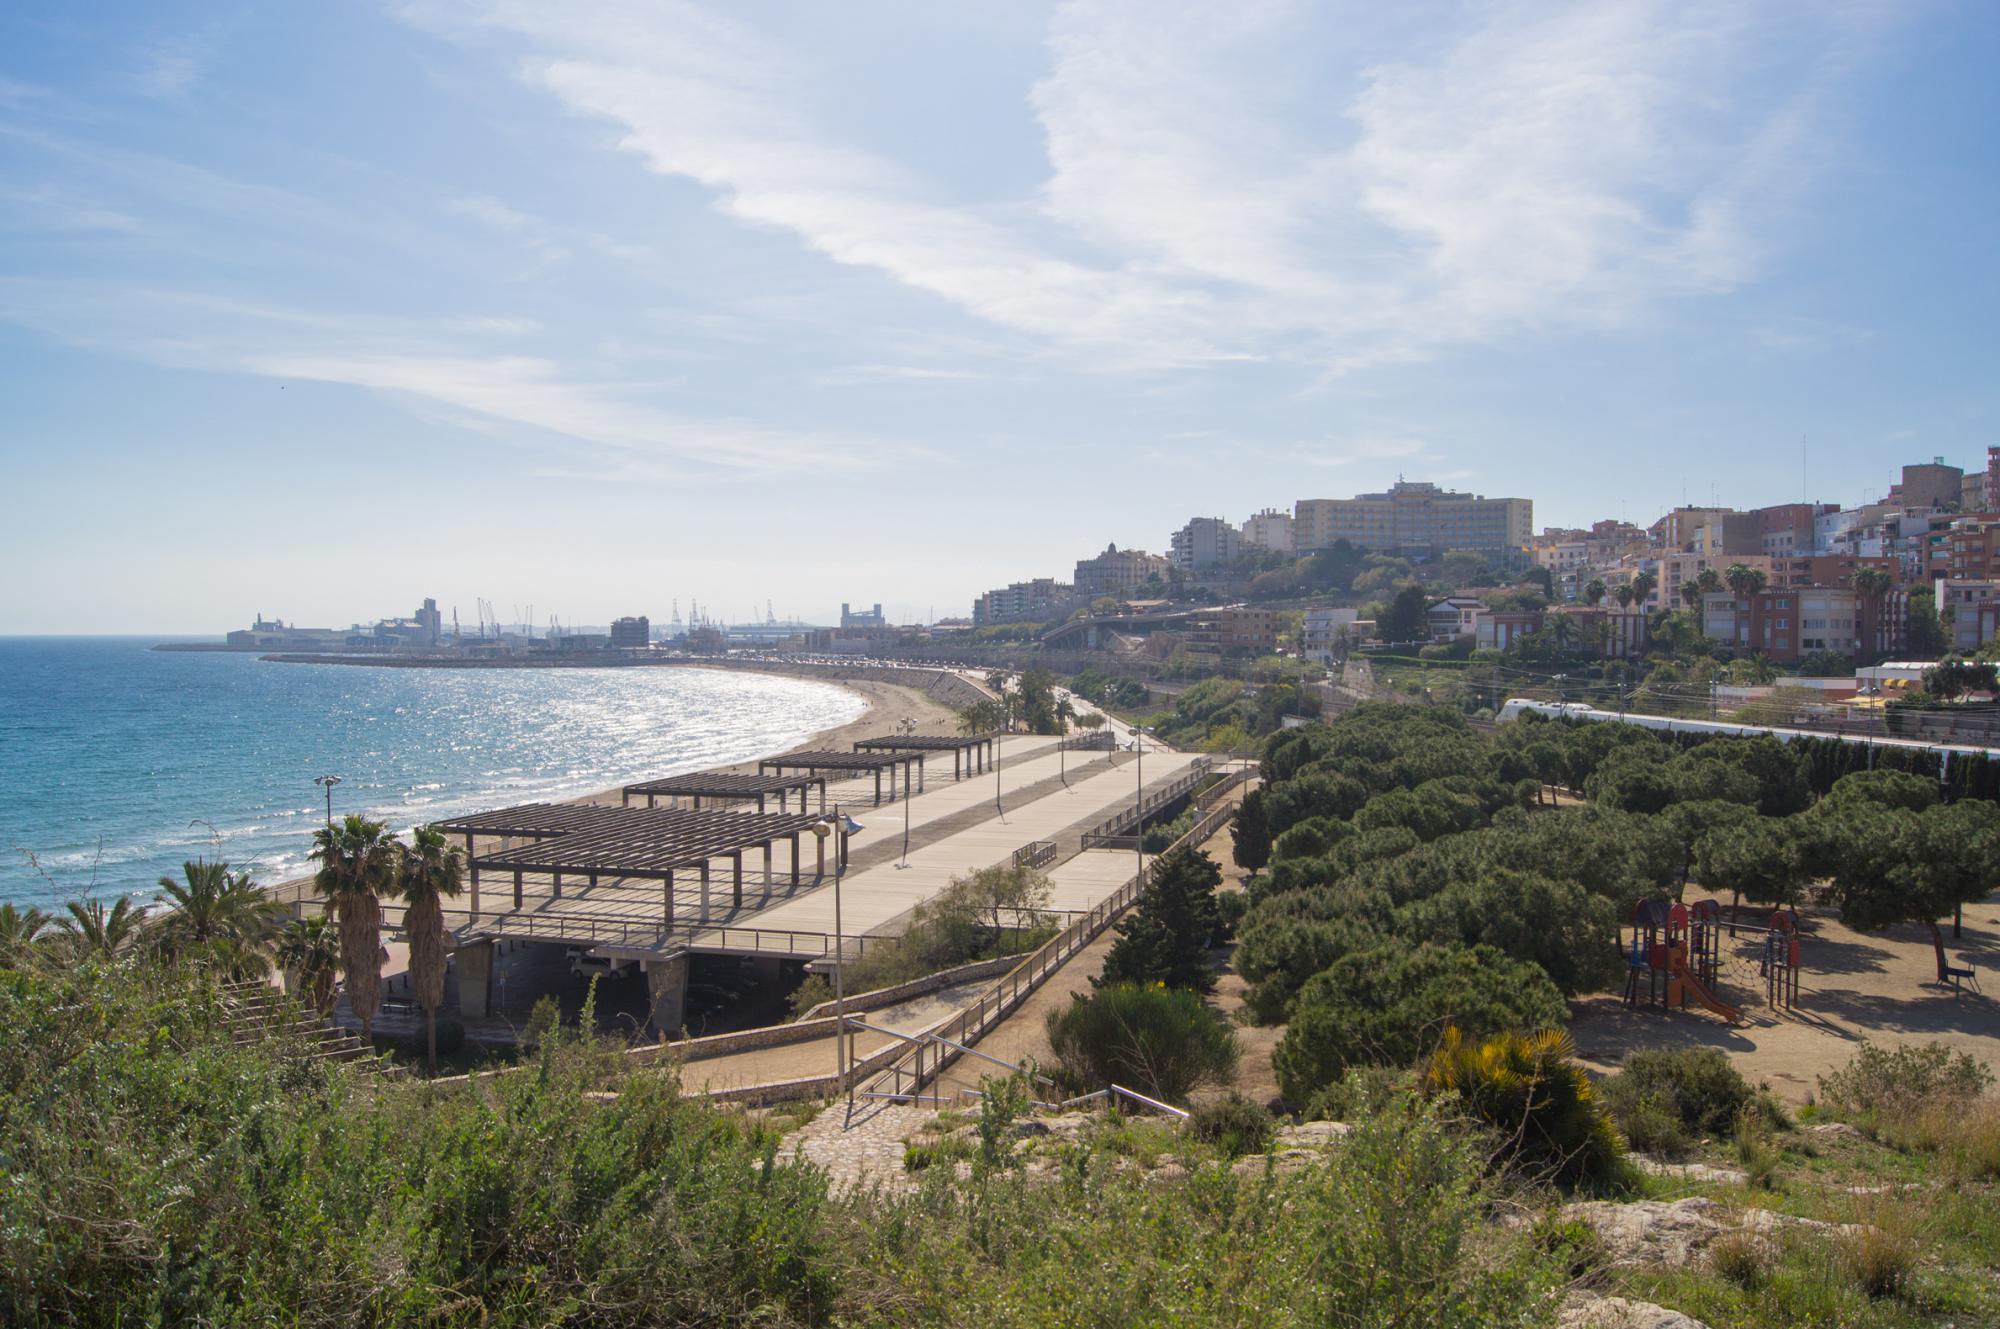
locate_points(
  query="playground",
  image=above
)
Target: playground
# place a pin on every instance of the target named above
(1788, 997)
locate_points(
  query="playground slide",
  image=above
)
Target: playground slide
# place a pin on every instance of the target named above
(1677, 966)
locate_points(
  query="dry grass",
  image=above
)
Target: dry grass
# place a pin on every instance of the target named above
(1881, 1252)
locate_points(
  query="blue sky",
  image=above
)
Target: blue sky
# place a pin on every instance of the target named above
(315, 309)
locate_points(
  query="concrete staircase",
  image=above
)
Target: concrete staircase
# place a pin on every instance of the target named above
(257, 1012)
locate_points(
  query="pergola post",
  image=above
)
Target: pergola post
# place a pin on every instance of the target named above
(878, 785)
(739, 878)
(475, 883)
(795, 859)
(667, 885)
(556, 878)
(767, 869)
(517, 888)
(704, 890)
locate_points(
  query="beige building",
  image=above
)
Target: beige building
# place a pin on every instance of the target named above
(1418, 520)
(1117, 571)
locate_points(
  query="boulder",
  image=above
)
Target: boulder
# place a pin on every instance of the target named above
(1582, 1311)
(1651, 1231)
(1701, 1172)
(1313, 1134)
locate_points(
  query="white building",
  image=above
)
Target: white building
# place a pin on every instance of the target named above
(1269, 529)
(1321, 633)
(1205, 542)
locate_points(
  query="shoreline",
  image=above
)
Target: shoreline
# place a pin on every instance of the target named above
(886, 705)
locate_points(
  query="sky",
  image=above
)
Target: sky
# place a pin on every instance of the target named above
(311, 310)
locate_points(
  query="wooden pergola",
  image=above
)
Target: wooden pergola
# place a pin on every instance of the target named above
(531, 821)
(855, 763)
(655, 844)
(969, 753)
(721, 786)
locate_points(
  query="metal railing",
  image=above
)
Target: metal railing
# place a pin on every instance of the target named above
(1125, 821)
(1035, 854)
(1104, 740)
(905, 1078)
(638, 934)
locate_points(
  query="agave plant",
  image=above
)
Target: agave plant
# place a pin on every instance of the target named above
(1529, 1088)
(357, 861)
(310, 949)
(218, 918)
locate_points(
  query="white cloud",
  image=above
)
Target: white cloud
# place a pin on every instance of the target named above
(453, 364)
(1267, 180)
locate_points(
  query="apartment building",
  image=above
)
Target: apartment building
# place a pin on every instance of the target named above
(1269, 529)
(1456, 616)
(1204, 543)
(1790, 623)
(1418, 520)
(1238, 630)
(1963, 548)
(1974, 610)
(1673, 570)
(1825, 569)
(1024, 601)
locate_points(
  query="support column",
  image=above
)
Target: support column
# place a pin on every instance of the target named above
(474, 967)
(739, 879)
(517, 888)
(668, 903)
(878, 787)
(555, 879)
(704, 890)
(795, 858)
(666, 985)
(475, 887)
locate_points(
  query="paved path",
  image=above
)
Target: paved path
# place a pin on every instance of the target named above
(874, 898)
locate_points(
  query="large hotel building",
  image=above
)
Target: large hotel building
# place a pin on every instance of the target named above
(1420, 520)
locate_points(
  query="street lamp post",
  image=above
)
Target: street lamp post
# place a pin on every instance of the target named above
(327, 782)
(1139, 801)
(908, 726)
(822, 829)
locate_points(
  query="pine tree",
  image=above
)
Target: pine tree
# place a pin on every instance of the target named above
(1167, 937)
(1251, 833)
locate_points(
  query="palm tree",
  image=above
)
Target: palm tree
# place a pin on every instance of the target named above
(1624, 596)
(19, 930)
(100, 931)
(1642, 587)
(1873, 585)
(357, 861)
(218, 917)
(428, 873)
(1065, 712)
(1690, 592)
(310, 948)
(1594, 592)
(1710, 581)
(1744, 581)
(1562, 630)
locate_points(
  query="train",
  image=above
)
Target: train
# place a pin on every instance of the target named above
(1515, 707)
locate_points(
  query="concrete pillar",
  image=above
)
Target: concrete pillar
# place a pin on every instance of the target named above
(666, 984)
(474, 966)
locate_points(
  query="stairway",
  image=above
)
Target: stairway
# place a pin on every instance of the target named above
(256, 1012)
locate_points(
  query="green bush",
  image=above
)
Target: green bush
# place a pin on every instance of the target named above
(1230, 907)
(1530, 1090)
(1234, 1124)
(1661, 1098)
(1883, 1082)
(1160, 1041)
(1362, 1091)
(1389, 1004)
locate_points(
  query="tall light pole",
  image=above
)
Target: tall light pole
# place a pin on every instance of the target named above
(1139, 802)
(327, 782)
(822, 829)
(908, 726)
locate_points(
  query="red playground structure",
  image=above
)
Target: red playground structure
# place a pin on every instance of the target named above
(1781, 960)
(1675, 955)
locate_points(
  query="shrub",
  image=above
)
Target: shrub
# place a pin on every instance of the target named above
(1882, 1082)
(1161, 1041)
(1361, 1092)
(1387, 1004)
(1755, 1151)
(1530, 1089)
(1880, 1253)
(544, 1019)
(1235, 1125)
(1663, 1096)
(1230, 907)
(812, 990)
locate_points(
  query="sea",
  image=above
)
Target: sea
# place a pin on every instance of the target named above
(118, 763)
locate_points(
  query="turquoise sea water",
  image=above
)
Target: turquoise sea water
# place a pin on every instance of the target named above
(118, 762)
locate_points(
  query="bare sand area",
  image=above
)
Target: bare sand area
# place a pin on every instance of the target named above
(1853, 987)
